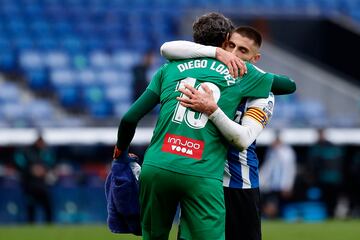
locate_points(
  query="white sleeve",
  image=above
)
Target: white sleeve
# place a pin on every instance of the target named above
(256, 117)
(241, 136)
(260, 109)
(184, 49)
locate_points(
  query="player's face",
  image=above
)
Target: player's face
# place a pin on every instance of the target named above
(242, 47)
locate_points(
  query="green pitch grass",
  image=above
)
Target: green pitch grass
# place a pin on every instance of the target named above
(332, 230)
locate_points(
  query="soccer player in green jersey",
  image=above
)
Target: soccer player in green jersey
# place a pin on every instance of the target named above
(241, 192)
(185, 159)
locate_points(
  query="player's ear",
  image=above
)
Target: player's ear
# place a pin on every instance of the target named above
(224, 44)
(256, 58)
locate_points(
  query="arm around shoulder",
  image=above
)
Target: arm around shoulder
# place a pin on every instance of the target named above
(175, 50)
(240, 136)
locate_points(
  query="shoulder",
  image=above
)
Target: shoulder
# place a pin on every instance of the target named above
(252, 68)
(265, 105)
(262, 102)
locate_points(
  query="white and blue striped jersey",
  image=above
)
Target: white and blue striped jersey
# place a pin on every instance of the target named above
(242, 167)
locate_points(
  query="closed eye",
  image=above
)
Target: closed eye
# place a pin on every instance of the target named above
(243, 50)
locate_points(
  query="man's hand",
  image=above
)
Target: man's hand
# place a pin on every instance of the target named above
(198, 100)
(233, 63)
(116, 153)
(124, 155)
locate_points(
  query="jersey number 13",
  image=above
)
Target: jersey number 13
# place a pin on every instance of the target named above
(193, 119)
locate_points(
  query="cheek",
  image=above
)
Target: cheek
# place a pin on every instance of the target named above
(242, 56)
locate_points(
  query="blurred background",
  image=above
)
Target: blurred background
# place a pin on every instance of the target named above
(69, 69)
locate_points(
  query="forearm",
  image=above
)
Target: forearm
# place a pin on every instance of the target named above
(241, 136)
(126, 131)
(283, 85)
(184, 49)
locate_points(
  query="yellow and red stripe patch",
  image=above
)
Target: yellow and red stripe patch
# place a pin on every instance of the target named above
(257, 114)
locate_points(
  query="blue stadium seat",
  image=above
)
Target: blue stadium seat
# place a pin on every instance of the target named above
(100, 59)
(40, 26)
(23, 43)
(72, 44)
(86, 77)
(37, 79)
(96, 103)
(93, 94)
(45, 43)
(57, 59)
(9, 93)
(5, 43)
(32, 8)
(118, 93)
(79, 61)
(101, 109)
(85, 27)
(30, 59)
(33, 65)
(66, 87)
(69, 96)
(16, 26)
(126, 59)
(94, 43)
(40, 110)
(63, 77)
(13, 111)
(7, 60)
(62, 28)
(115, 42)
(121, 108)
(111, 76)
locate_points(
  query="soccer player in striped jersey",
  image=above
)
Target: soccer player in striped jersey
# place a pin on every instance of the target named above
(240, 181)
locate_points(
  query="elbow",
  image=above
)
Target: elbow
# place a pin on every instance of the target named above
(128, 121)
(241, 145)
(164, 49)
(293, 86)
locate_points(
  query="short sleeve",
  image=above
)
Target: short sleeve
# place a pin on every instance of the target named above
(256, 83)
(155, 83)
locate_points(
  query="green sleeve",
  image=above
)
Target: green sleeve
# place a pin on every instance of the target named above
(155, 84)
(282, 85)
(256, 83)
(144, 104)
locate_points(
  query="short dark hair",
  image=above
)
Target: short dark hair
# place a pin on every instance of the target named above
(251, 33)
(212, 29)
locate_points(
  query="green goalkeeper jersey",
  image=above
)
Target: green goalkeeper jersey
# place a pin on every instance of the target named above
(185, 141)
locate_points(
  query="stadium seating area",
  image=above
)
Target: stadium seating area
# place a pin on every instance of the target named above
(82, 51)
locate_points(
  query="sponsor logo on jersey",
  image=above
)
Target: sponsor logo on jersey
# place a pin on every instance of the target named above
(183, 146)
